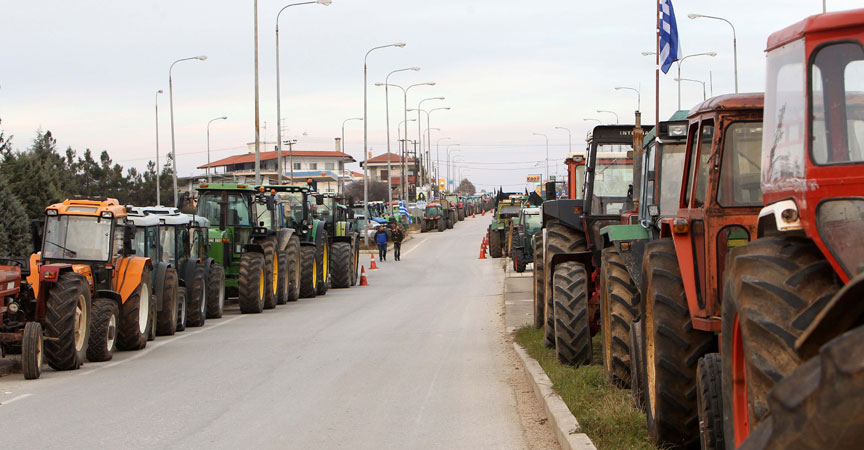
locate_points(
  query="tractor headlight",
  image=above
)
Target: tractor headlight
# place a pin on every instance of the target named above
(13, 308)
(51, 212)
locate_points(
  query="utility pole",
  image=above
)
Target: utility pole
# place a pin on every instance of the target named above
(257, 109)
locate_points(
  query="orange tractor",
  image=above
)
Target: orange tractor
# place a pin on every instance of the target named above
(95, 279)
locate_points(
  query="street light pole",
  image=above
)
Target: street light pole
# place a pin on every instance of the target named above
(209, 179)
(389, 160)
(158, 169)
(547, 152)
(734, 42)
(438, 161)
(610, 112)
(695, 81)
(447, 182)
(420, 134)
(711, 54)
(638, 95)
(569, 138)
(171, 107)
(403, 184)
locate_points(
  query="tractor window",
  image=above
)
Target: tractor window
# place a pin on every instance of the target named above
(265, 216)
(785, 113)
(740, 170)
(838, 81)
(612, 180)
(579, 173)
(692, 148)
(509, 211)
(671, 168)
(83, 238)
(196, 247)
(167, 243)
(706, 137)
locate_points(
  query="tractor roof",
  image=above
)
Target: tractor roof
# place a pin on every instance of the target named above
(225, 187)
(89, 207)
(729, 102)
(615, 134)
(832, 21)
(286, 187)
(142, 219)
(678, 116)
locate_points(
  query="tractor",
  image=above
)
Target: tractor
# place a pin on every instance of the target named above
(792, 333)
(433, 218)
(656, 186)
(87, 253)
(458, 205)
(448, 213)
(499, 229)
(20, 323)
(572, 245)
(344, 240)
(530, 223)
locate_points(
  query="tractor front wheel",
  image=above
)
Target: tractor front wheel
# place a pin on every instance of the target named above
(572, 330)
(539, 282)
(215, 291)
(135, 316)
(496, 250)
(182, 311)
(271, 273)
(709, 400)
(166, 320)
(252, 283)
(341, 269)
(308, 271)
(292, 256)
(31, 351)
(67, 322)
(618, 308)
(103, 334)
(196, 300)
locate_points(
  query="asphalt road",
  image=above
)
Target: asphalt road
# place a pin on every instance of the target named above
(411, 361)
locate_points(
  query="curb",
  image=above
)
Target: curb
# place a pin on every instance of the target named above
(567, 429)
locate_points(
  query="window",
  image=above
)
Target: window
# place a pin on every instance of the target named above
(329, 166)
(706, 137)
(168, 244)
(85, 238)
(840, 128)
(297, 166)
(784, 114)
(313, 166)
(739, 173)
(238, 208)
(692, 148)
(671, 168)
(613, 176)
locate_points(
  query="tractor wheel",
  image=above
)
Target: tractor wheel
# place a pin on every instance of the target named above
(818, 406)
(637, 364)
(293, 257)
(539, 282)
(215, 291)
(572, 332)
(559, 239)
(452, 220)
(672, 350)
(271, 273)
(461, 215)
(284, 278)
(355, 268)
(442, 224)
(166, 320)
(341, 269)
(31, 351)
(252, 283)
(324, 266)
(619, 303)
(67, 321)
(308, 271)
(519, 262)
(103, 332)
(196, 297)
(495, 248)
(709, 400)
(182, 310)
(774, 288)
(135, 316)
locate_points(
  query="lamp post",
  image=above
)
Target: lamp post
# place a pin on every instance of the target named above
(569, 138)
(403, 185)
(638, 95)
(547, 152)
(171, 106)
(438, 160)
(734, 42)
(366, 134)
(447, 182)
(610, 112)
(209, 179)
(420, 133)
(695, 81)
(593, 120)
(278, 96)
(429, 150)
(389, 160)
(342, 147)
(455, 175)
(158, 169)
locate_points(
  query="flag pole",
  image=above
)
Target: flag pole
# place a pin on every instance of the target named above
(657, 68)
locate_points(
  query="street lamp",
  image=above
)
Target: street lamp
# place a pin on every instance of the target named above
(429, 140)
(610, 112)
(399, 129)
(342, 145)
(695, 81)
(387, 85)
(158, 169)
(403, 185)
(734, 42)
(593, 120)
(447, 184)
(438, 159)
(711, 54)
(209, 179)
(569, 138)
(420, 132)
(547, 152)
(366, 133)
(171, 106)
(278, 96)
(638, 95)
(455, 174)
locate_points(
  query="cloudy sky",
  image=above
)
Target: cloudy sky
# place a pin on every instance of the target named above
(88, 71)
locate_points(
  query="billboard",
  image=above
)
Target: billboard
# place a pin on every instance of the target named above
(533, 179)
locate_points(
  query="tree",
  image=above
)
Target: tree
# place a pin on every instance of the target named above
(38, 176)
(14, 230)
(466, 187)
(377, 191)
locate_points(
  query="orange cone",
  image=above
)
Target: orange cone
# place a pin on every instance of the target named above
(482, 252)
(363, 281)
(372, 265)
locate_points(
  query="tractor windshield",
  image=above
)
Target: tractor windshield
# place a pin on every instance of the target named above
(532, 222)
(293, 205)
(612, 180)
(84, 238)
(671, 168)
(167, 243)
(838, 82)
(785, 115)
(238, 208)
(739, 172)
(432, 211)
(509, 211)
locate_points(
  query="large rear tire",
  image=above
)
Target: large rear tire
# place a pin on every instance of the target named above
(619, 303)
(271, 273)
(559, 239)
(709, 400)
(341, 269)
(672, 350)
(495, 248)
(308, 271)
(572, 330)
(215, 291)
(196, 300)
(166, 320)
(284, 278)
(774, 288)
(539, 282)
(32, 344)
(292, 254)
(637, 364)
(323, 265)
(103, 331)
(67, 321)
(252, 283)
(355, 268)
(135, 318)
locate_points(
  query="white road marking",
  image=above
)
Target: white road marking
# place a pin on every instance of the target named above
(14, 399)
(415, 247)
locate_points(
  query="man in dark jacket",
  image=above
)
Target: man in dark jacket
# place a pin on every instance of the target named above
(397, 235)
(381, 239)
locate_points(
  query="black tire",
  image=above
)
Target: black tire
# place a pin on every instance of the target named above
(215, 291)
(134, 325)
(559, 239)
(461, 215)
(292, 255)
(166, 320)
(520, 262)
(451, 220)
(709, 400)
(775, 286)
(196, 297)
(442, 225)
(495, 248)
(539, 283)
(818, 406)
(271, 273)
(619, 303)
(283, 278)
(637, 364)
(252, 283)
(572, 330)
(308, 271)
(670, 370)
(324, 271)
(32, 345)
(68, 302)
(355, 270)
(182, 309)
(103, 332)
(340, 270)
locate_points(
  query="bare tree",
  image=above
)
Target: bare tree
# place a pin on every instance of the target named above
(466, 187)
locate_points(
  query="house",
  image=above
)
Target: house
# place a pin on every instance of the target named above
(378, 167)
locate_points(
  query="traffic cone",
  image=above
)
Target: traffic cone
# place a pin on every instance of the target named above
(363, 281)
(473, 214)
(482, 250)
(372, 265)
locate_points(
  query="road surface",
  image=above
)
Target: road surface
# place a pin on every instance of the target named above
(412, 361)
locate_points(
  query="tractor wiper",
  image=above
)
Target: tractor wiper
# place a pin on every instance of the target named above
(71, 252)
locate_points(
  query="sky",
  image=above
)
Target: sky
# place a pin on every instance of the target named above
(89, 72)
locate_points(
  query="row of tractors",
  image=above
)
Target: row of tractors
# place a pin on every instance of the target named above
(720, 255)
(444, 213)
(515, 223)
(108, 277)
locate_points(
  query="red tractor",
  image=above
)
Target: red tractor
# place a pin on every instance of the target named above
(793, 315)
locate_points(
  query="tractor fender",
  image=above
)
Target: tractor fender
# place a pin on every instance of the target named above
(128, 273)
(629, 241)
(109, 294)
(843, 312)
(284, 237)
(186, 270)
(157, 280)
(253, 247)
(319, 230)
(778, 217)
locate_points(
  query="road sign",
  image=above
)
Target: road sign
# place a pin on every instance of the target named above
(533, 179)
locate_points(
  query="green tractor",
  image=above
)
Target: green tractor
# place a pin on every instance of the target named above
(344, 239)
(508, 209)
(530, 222)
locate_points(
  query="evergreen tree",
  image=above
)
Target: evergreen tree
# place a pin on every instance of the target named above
(14, 229)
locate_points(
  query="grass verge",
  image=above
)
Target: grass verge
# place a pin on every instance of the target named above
(605, 412)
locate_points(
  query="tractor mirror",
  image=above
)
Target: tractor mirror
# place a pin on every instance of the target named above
(271, 203)
(36, 234)
(319, 200)
(223, 213)
(128, 237)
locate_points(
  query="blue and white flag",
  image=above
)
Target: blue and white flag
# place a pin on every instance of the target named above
(670, 46)
(403, 209)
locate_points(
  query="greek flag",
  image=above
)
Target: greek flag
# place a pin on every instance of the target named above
(670, 48)
(403, 209)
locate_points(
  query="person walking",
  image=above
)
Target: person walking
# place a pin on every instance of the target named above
(381, 239)
(397, 235)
